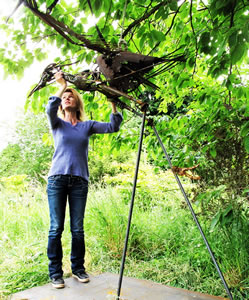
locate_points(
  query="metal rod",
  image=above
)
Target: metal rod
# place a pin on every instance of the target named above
(194, 216)
(106, 88)
(131, 208)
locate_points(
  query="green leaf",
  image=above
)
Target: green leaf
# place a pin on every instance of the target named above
(47, 139)
(140, 31)
(156, 170)
(246, 143)
(97, 5)
(213, 152)
(228, 84)
(227, 215)
(83, 5)
(246, 191)
(159, 13)
(246, 33)
(157, 36)
(237, 53)
(187, 38)
(184, 10)
(95, 105)
(150, 39)
(232, 40)
(222, 48)
(49, 2)
(215, 220)
(239, 91)
(173, 5)
(82, 56)
(219, 4)
(142, 40)
(205, 38)
(245, 129)
(34, 105)
(89, 57)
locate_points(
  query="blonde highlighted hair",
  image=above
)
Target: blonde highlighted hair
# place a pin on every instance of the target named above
(80, 114)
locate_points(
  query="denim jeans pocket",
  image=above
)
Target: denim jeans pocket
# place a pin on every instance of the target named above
(83, 181)
(82, 184)
(52, 180)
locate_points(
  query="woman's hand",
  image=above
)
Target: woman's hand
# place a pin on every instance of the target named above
(60, 79)
(62, 82)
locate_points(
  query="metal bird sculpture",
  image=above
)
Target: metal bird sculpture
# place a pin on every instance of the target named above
(86, 81)
(82, 81)
(124, 71)
(20, 2)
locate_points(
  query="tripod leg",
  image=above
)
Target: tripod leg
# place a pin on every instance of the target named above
(194, 216)
(131, 208)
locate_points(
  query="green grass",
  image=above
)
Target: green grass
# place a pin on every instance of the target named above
(22, 244)
(164, 246)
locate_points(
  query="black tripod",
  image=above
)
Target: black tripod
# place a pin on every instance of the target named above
(144, 108)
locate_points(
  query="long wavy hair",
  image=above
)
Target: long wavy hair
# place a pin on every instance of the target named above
(79, 104)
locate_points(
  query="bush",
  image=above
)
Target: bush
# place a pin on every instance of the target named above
(32, 152)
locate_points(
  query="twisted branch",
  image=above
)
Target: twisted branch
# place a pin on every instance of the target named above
(144, 17)
(64, 30)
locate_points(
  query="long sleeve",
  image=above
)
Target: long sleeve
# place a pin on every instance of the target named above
(112, 126)
(52, 109)
(71, 141)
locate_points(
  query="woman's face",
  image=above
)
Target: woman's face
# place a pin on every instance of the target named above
(68, 101)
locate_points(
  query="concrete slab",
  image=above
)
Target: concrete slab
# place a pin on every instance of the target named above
(104, 287)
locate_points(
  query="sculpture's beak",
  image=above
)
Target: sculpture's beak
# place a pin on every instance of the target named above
(47, 77)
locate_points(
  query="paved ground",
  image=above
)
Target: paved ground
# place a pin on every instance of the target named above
(104, 286)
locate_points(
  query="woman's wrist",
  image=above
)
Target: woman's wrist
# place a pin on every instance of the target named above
(62, 82)
(61, 90)
(114, 108)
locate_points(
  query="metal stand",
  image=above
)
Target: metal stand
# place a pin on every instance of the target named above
(131, 207)
(185, 197)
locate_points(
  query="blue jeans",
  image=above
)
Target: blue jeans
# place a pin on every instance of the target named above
(59, 188)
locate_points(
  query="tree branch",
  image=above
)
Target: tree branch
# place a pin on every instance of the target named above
(31, 3)
(97, 27)
(192, 26)
(147, 8)
(173, 20)
(170, 27)
(232, 14)
(66, 32)
(51, 7)
(135, 45)
(229, 91)
(108, 14)
(144, 17)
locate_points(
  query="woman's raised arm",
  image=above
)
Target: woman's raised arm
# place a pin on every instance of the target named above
(62, 82)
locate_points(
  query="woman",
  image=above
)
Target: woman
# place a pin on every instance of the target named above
(68, 176)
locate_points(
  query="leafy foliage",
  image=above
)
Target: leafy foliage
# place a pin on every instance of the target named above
(32, 151)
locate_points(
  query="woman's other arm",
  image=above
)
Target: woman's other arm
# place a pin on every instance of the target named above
(114, 124)
(114, 108)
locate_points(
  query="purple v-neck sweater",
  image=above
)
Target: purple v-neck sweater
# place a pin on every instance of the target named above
(71, 142)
